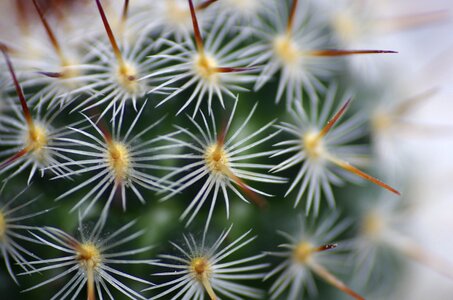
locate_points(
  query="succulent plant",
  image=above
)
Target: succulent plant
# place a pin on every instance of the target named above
(110, 108)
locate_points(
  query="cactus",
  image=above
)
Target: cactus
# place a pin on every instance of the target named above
(135, 134)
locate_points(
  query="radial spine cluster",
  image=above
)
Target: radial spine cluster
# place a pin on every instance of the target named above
(238, 137)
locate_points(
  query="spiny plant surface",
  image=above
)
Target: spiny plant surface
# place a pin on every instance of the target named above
(211, 149)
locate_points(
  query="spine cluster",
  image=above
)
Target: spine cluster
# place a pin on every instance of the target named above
(182, 117)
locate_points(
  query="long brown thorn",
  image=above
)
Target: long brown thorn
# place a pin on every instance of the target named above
(413, 21)
(337, 52)
(13, 158)
(50, 33)
(196, 28)
(254, 197)
(222, 135)
(23, 16)
(125, 11)
(422, 256)
(251, 195)
(19, 91)
(57, 7)
(292, 13)
(51, 74)
(348, 167)
(102, 126)
(335, 118)
(123, 20)
(108, 29)
(330, 278)
(4, 48)
(105, 133)
(232, 69)
(205, 4)
(409, 103)
(345, 165)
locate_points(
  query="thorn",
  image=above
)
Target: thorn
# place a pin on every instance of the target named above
(108, 29)
(222, 135)
(337, 52)
(348, 167)
(8, 49)
(335, 118)
(4, 48)
(233, 69)
(124, 17)
(102, 126)
(125, 10)
(205, 4)
(23, 16)
(51, 74)
(292, 13)
(13, 158)
(326, 247)
(72, 242)
(19, 91)
(57, 8)
(91, 292)
(422, 256)
(413, 21)
(50, 34)
(425, 130)
(207, 285)
(330, 278)
(196, 29)
(106, 133)
(409, 103)
(254, 197)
